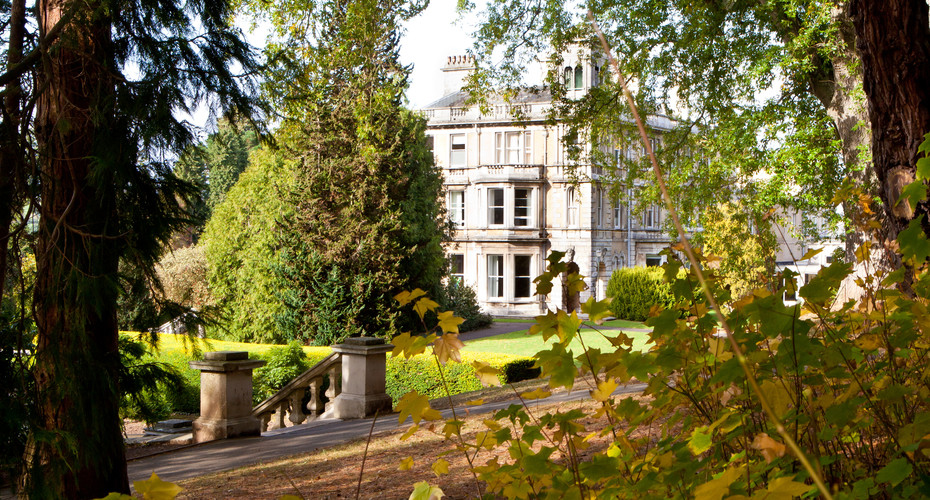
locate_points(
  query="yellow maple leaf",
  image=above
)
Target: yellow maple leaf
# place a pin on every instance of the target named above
(494, 425)
(475, 402)
(415, 406)
(441, 467)
(715, 489)
(424, 491)
(423, 305)
(785, 488)
(405, 297)
(769, 448)
(449, 322)
(410, 345)
(486, 373)
(154, 488)
(447, 347)
(596, 310)
(604, 390)
(485, 440)
(411, 431)
(406, 464)
(539, 393)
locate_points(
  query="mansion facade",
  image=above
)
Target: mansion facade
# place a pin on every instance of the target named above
(513, 195)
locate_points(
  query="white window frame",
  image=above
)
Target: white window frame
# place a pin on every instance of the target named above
(571, 207)
(454, 275)
(457, 207)
(513, 148)
(618, 215)
(495, 276)
(458, 144)
(527, 218)
(651, 217)
(492, 208)
(526, 278)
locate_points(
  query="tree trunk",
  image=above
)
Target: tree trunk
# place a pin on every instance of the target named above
(837, 88)
(893, 38)
(11, 154)
(76, 450)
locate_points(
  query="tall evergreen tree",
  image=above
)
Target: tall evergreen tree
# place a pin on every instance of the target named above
(367, 220)
(368, 192)
(105, 198)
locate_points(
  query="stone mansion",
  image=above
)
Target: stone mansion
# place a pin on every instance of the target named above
(512, 202)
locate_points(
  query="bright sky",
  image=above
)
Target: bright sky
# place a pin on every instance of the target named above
(429, 39)
(432, 37)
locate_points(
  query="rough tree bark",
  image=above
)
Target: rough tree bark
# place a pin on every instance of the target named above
(11, 154)
(76, 360)
(837, 87)
(893, 38)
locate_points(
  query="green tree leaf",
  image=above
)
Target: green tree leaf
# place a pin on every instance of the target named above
(895, 472)
(913, 242)
(701, 440)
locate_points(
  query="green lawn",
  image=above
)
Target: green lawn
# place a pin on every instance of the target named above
(514, 320)
(625, 323)
(171, 344)
(617, 323)
(520, 344)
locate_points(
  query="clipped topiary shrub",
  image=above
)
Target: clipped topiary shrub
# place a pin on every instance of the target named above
(519, 370)
(420, 373)
(634, 290)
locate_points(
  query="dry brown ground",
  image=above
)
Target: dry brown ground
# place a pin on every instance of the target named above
(333, 473)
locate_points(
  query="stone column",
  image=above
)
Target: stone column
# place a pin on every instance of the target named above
(225, 396)
(364, 364)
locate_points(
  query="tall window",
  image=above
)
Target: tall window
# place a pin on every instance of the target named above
(457, 268)
(522, 205)
(495, 276)
(457, 208)
(568, 78)
(579, 78)
(521, 276)
(651, 217)
(571, 208)
(457, 154)
(618, 215)
(495, 206)
(513, 148)
(600, 207)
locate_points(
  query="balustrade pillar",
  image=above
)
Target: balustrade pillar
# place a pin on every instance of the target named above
(225, 396)
(364, 364)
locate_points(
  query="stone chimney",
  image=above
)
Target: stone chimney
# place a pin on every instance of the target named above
(455, 71)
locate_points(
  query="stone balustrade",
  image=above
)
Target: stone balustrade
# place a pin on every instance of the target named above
(286, 408)
(226, 391)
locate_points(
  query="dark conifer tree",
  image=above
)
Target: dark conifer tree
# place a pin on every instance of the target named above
(105, 196)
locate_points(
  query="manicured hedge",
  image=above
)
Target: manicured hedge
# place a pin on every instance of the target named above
(634, 290)
(173, 351)
(421, 373)
(403, 375)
